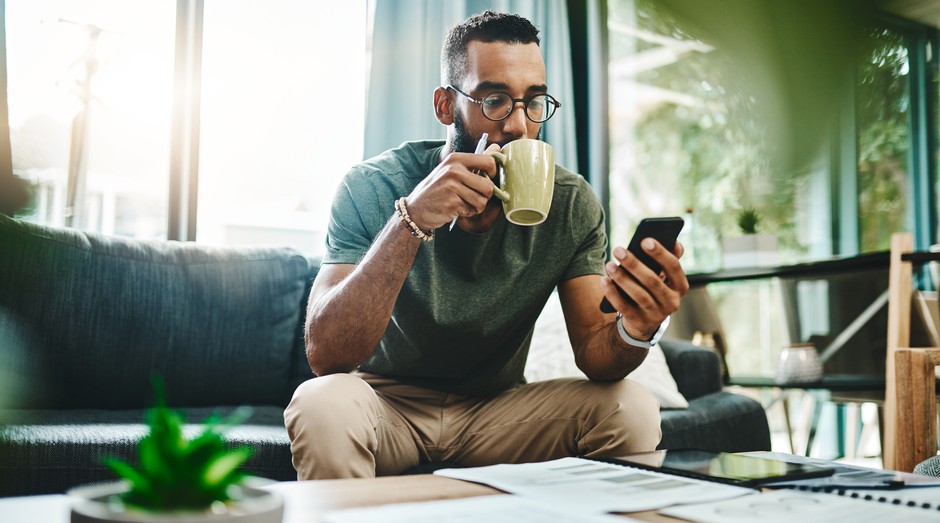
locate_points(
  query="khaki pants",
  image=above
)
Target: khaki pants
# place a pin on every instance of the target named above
(360, 425)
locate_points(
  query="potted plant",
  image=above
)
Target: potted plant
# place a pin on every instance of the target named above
(180, 480)
(751, 248)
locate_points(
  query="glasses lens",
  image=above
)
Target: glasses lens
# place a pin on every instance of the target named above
(540, 108)
(497, 106)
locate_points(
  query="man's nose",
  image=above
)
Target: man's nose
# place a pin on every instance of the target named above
(516, 124)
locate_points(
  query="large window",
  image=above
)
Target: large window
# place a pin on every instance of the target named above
(283, 110)
(827, 157)
(90, 88)
(692, 136)
(280, 110)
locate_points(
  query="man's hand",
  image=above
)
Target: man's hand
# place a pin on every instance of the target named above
(454, 188)
(655, 296)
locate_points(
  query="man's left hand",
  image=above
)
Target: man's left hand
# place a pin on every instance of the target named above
(654, 296)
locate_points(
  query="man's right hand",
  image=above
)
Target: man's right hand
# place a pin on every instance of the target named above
(453, 189)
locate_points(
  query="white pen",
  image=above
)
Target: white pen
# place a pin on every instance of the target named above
(481, 146)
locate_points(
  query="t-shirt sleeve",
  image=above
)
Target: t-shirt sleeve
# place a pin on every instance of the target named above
(347, 236)
(588, 225)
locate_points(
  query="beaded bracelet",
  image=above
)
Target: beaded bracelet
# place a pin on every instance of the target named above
(409, 223)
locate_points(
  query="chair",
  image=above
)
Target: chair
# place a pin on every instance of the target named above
(910, 411)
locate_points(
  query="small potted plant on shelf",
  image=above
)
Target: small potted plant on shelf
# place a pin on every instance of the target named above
(751, 248)
(180, 480)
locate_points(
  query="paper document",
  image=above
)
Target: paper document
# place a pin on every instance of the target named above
(789, 506)
(585, 486)
(491, 509)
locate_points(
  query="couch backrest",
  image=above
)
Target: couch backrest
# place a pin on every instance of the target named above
(103, 314)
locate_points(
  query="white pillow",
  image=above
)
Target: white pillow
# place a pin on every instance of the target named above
(551, 357)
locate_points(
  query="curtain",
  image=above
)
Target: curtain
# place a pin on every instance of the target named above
(407, 36)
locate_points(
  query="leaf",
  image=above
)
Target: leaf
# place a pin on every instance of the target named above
(224, 465)
(125, 471)
(176, 472)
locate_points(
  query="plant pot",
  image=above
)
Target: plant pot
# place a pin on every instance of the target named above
(98, 503)
(749, 250)
(799, 364)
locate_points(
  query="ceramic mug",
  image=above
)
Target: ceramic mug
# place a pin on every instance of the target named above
(526, 180)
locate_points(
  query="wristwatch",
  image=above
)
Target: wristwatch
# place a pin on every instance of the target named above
(638, 343)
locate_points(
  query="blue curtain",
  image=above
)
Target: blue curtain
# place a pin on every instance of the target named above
(406, 43)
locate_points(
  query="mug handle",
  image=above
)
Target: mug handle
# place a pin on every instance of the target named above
(501, 160)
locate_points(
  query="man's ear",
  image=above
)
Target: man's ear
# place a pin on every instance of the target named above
(443, 106)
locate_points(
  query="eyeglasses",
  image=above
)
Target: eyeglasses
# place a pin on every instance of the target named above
(498, 106)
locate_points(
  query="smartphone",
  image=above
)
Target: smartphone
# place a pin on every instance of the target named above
(665, 230)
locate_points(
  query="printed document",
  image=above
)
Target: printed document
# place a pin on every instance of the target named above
(585, 486)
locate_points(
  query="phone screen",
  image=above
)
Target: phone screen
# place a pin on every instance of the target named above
(665, 230)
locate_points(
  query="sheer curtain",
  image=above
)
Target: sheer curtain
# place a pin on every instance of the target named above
(406, 44)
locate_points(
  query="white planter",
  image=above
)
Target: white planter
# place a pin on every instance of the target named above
(749, 250)
(97, 504)
(799, 363)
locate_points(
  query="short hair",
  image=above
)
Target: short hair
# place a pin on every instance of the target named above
(487, 26)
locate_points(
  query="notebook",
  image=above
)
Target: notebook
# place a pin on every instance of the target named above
(808, 505)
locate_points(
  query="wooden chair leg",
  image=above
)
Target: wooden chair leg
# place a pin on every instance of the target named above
(916, 408)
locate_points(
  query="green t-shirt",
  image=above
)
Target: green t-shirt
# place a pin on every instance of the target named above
(464, 318)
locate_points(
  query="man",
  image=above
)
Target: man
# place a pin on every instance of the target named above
(419, 333)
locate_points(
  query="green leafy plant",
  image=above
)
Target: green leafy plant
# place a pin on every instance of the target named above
(178, 473)
(748, 218)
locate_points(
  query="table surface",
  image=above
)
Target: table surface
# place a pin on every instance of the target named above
(304, 501)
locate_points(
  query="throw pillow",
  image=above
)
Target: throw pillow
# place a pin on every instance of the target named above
(551, 357)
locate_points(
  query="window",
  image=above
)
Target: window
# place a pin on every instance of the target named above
(89, 90)
(883, 125)
(283, 111)
(281, 114)
(686, 139)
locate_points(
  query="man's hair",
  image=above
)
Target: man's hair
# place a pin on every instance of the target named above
(487, 26)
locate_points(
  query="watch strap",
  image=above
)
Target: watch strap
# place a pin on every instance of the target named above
(640, 343)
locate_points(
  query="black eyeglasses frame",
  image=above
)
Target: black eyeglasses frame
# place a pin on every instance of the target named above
(525, 103)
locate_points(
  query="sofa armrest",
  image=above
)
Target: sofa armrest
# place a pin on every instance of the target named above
(696, 369)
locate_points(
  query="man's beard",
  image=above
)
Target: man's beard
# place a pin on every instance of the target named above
(463, 142)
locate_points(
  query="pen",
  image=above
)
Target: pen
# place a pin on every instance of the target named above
(481, 146)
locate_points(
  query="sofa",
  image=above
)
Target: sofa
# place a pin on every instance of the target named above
(88, 320)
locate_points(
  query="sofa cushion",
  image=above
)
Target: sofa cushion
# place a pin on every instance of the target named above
(106, 313)
(720, 421)
(551, 356)
(697, 370)
(50, 451)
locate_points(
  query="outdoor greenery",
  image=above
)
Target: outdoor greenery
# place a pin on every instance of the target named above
(801, 116)
(748, 219)
(882, 113)
(720, 150)
(717, 150)
(179, 473)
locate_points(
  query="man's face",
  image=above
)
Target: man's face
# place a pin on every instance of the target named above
(517, 69)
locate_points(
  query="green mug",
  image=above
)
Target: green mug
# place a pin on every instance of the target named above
(526, 179)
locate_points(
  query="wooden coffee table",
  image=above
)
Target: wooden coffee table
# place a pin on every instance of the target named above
(308, 501)
(304, 501)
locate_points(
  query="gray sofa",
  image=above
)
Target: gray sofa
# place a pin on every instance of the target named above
(86, 320)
